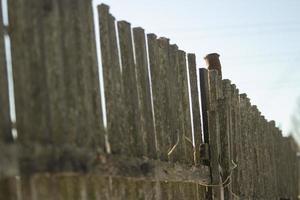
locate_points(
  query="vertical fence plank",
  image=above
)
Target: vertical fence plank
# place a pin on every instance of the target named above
(157, 56)
(225, 137)
(43, 187)
(244, 134)
(29, 76)
(205, 107)
(163, 64)
(260, 157)
(68, 187)
(156, 82)
(235, 139)
(203, 74)
(281, 167)
(257, 161)
(53, 62)
(187, 134)
(213, 125)
(295, 166)
(263, 157)
(78, 69)
(195, 105)
(251, 152)
(144, 93)
(172, 88)
(274, 155)
(214, 129)
(285, 168)
(132, 130)
(9, 189)
(273, 164)
(177, 153)
(116, 142)
(270, 172)
(5, 123)
(71, 60)
(93, 120)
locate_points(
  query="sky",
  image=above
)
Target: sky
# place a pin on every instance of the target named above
(258, 42)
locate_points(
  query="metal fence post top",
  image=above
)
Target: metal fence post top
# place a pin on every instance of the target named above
(213, 62)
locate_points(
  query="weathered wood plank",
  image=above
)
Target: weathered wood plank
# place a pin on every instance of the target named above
(116, 142)
(68, 187)
(262, 166)
(164, 65)
(214, 129)
(204, 91)
(93, 120)
(5, 123)
(278, 161)
(175, 104)
(235, 139)
(251, 144)
(244, 134)
(80, 72)
(29, 76)
(9, 189)
(268, 171)
(71, 61)
(272, 159)
(144, 94)
(274, 155)
(265, 168)
(195, 106)
(205, 107)
(187, 136)
(255, 146)
(224, 109)
(98, 188)
(157, 92)
(132, 129)
(145, 190)
(26, 186)
(54, 65)
(172, 87)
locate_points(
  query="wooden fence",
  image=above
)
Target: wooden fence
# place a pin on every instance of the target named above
(136, 133)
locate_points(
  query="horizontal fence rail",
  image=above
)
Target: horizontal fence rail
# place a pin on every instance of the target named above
(129, 122)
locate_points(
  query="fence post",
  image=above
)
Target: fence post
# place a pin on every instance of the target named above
(210, 93)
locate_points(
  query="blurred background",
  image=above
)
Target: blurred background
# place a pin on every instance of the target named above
(258, 41)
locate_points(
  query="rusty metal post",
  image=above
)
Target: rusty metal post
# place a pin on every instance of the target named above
(213, 62)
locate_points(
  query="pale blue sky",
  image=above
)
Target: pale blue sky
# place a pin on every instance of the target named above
(258, 41)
